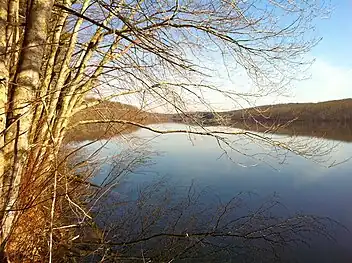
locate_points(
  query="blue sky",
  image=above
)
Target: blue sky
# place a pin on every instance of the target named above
(335, 48)
(331, 74)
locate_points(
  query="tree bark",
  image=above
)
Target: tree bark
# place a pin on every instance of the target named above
(21, 102)
(4, 75)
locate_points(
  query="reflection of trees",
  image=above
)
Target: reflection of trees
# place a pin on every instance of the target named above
(328, 130)
(165, 225)
(332, 129)
(161, 223)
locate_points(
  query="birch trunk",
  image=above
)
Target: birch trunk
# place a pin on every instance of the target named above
(19, 117)
(4, 75)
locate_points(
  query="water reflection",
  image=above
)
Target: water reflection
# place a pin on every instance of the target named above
(338, 131)
(154, 198)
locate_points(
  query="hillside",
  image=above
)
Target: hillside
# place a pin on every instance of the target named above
(328, 111)
(108, 110)
(329, 119)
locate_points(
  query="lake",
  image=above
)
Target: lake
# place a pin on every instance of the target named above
(185, 184)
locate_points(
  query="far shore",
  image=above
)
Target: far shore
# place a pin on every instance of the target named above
(329, 120)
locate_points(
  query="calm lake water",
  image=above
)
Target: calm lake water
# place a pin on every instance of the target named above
(179, 162)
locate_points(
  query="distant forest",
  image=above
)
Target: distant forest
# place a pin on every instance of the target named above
(329, 111)
(330, 119)
(108, 110)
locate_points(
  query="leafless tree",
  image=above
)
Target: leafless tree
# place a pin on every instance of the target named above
(53, 53)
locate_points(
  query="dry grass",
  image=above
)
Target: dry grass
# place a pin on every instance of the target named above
(37, 226)
(39, 222)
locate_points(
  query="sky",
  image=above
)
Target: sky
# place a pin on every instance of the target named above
(331, 74)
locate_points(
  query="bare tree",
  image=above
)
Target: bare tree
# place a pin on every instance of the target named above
(55, 53)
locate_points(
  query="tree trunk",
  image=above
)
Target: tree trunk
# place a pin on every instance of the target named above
(4, 75)
(19, 117)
